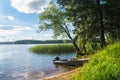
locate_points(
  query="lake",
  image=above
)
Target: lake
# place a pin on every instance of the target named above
(18, 63)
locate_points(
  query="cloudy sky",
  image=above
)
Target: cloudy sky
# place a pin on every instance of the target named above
(19, 20)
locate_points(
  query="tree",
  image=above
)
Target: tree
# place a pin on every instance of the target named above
(112, 19)
(86, 21)
(55, 18)
(87, 9)
(95, 20)
(84, 15)
(101, 27)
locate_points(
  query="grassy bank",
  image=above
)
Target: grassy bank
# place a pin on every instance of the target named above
(53, 48)
(105, 65)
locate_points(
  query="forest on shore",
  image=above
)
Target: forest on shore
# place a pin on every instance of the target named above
(89, 24)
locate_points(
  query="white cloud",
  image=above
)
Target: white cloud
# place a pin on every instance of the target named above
(41, 36)
(1, 25)
(30, 6)
(14, 30)
(22, 28)
(17, 32)
(11, 18)
(16, 27)
(8, 32)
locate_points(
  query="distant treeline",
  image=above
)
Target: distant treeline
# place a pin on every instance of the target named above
(37, 42)
(6, 42)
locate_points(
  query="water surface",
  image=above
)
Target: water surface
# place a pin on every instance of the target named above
(18, 63)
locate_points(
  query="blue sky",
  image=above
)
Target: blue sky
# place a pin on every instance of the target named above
(19, 19)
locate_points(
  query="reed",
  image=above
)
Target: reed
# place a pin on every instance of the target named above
(105, 65)
(53, 48)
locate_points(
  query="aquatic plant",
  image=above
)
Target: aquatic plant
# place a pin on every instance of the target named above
(53, 48)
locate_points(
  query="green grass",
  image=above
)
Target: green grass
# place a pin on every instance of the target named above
(105, 65)
(53, 48)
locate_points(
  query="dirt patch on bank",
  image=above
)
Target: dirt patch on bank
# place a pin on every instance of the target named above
(62, 76)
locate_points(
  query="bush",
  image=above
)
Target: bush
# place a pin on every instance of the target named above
(105, 65)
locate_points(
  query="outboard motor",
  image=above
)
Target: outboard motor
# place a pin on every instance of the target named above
(57, 58)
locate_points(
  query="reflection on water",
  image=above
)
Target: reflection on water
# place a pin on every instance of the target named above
(17, 63)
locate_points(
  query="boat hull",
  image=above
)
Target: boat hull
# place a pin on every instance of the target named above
(79, 62)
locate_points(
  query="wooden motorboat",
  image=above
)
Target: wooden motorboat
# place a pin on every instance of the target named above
(77, 62)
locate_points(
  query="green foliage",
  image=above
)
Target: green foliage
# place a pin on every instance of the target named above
(84, 15)
(105, 65)
(112, 19)
(53, 48)
(87, 20)
(53, 18)
(91, 47)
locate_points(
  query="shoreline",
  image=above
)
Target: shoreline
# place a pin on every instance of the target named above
(61, 76)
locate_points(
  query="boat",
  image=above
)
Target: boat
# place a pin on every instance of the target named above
(76, 62)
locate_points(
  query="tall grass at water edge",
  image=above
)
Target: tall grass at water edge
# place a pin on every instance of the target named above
(53, 48)
(105, 65)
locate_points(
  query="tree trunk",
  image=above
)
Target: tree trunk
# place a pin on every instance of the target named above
(84, 39)
(77, 48)
(118, 35)
(73, 40)
(84, 48)
(102, 37)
